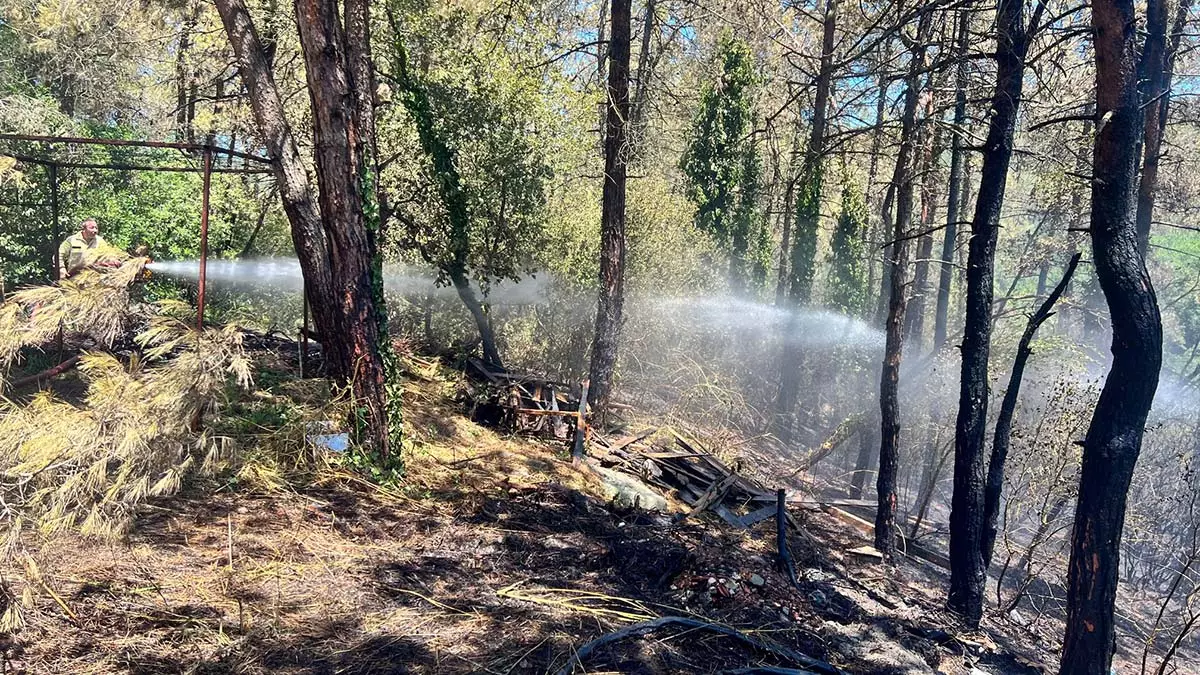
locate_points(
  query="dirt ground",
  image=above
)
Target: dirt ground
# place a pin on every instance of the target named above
(498, 557)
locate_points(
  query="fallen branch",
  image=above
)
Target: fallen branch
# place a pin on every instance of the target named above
(46, 374)
(841, 434)
(640, 629)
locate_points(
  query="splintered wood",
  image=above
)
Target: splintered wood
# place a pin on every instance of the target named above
(699, 478)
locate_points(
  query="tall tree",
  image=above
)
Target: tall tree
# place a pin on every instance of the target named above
(954, 189)
(967, 571)
(808, 216)
(1156, 70)
(721, 161)
(346, 297)
(449, 185)
(1008, 408)
(612, 223)
(889, 381)
(1114, 437)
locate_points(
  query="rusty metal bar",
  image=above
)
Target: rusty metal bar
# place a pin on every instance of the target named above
(134, 144)
(304, 330)
(55, 229)
(203, 236)
(132, 167)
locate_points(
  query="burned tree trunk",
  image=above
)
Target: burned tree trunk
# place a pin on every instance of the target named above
(612, 219)
(954, 192)
(889, 382)
(1156, 72)
(967, 571)
(804, 236)
(1114, 438)
(1001, 436)
(914, 329)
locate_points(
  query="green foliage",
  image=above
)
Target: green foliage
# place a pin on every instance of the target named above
(847, 287)
(721, 162)
(473, 127)
(804, 239)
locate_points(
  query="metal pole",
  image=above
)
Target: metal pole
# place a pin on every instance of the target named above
(54, 224)
(57, 230)
(304, 330)
(203, 236)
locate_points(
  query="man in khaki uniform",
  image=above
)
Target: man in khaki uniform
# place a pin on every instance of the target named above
(74, 253)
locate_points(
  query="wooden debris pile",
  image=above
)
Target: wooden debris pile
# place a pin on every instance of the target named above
(696, 476)
(522, 403)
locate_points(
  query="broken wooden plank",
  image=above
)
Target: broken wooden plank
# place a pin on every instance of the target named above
(630, 440)
(713, 495)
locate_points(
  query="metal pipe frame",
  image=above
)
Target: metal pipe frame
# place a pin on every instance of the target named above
(70, 140)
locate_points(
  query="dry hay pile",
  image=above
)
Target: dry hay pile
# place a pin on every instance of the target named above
(90, 464)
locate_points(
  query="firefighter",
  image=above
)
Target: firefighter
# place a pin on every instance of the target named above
(82, 248)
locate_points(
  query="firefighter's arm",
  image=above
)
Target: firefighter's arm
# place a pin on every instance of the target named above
(64, 259)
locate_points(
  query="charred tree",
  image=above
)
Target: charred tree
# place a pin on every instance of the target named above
(954, 192)
(1008, 408)
(808, 215)
(612, 224)
(1157, 69)
(967, 571)
(345, 298)
(914, 329)
(1114, 437)
(889, 382)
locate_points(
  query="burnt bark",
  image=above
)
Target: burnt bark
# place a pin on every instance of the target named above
(889, 382)
(645, 71)
(914, 329)
(868, 446)
(1114, 437)
(612, 223)
(1157, 68)
(954, 189)
(967, 571)
(804, 237)
(1008, 407)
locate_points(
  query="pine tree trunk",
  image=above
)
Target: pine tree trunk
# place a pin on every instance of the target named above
(342, 297)
(889, 383)
(291, 176)
(339, 139)
(612, 223)
(1114, 438)
(1157, 70)
(950, 234)
(967, 571)
(804, 236)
